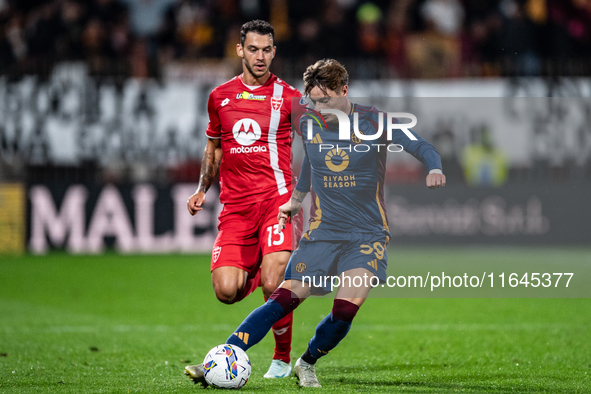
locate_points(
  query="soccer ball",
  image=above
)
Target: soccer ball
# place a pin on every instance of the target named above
(226, 367)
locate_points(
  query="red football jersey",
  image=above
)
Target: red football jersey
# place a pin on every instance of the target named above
(254, 126)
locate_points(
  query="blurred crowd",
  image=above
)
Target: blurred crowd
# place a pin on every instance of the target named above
(396, 38)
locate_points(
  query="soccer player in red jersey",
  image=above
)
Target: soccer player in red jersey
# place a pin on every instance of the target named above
(249, 144)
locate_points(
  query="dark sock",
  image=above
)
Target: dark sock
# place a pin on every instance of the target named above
(331, 330)
(254, 328)
(307, 357)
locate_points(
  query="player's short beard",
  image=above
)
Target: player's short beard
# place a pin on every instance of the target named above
(253, 72)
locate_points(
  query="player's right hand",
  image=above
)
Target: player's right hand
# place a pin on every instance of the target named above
(195, 202)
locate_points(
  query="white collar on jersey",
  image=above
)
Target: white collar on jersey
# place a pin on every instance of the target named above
(251, 87)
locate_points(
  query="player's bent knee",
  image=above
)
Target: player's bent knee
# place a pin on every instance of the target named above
(226, 294)
(228, 282)
(269, 287)
(286, 298)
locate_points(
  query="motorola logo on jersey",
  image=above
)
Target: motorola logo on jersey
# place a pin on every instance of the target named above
(246, 132)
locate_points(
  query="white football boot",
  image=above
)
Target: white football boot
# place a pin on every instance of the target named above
(278, 369)
(306, 374)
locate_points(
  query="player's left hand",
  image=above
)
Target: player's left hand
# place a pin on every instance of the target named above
(287, 211)
(435, 180)
(284, 214)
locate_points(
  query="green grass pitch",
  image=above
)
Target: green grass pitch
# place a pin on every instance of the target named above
(129, 324)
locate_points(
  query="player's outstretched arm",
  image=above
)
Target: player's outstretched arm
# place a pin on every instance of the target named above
(435, 180)
(210, 165)
(427, 154)
(290, 208)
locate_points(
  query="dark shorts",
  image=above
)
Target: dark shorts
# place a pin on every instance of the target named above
(324, 253)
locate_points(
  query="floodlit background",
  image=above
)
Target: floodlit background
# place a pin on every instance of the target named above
(104, 276)
(103, 111)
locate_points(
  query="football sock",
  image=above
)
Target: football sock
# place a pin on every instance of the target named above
(331, 330)
(254, 328)
(282, 333)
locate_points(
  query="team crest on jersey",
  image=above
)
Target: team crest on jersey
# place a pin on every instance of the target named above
(216, 253)
(276, 103)
(355, 139)
(300, 267)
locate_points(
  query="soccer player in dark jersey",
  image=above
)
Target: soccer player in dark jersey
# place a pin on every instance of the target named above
(349, 232)
(249, 145)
